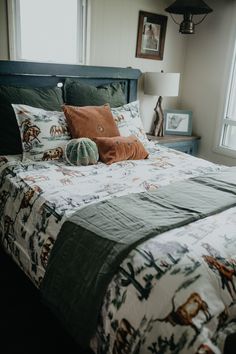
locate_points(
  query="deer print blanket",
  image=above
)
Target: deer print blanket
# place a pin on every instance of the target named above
(174, 293)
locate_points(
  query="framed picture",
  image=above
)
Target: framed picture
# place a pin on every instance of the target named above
(151, 35)
(177, 122)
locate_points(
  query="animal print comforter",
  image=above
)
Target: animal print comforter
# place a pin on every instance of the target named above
(173, 294)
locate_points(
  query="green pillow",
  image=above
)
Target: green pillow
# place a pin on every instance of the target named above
(48, 98)
(10, 140)
(79, 94)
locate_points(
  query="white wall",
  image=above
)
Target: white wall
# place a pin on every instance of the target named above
(114, 25)
(205, 74)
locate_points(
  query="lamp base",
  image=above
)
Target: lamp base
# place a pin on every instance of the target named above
(158, 129)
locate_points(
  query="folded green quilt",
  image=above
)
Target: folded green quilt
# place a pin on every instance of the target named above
(96, 239)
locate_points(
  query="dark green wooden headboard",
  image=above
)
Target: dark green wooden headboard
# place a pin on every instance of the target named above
(29, 74)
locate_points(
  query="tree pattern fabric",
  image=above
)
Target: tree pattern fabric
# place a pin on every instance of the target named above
(175, 293)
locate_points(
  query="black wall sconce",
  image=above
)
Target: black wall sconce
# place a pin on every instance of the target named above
(188, 9)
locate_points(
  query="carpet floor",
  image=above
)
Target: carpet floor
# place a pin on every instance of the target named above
(26, 326)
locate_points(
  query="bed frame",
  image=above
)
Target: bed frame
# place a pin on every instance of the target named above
(29, 74)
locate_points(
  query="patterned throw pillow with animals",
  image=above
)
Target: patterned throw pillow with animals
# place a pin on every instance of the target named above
(129, 122)
(44, 134)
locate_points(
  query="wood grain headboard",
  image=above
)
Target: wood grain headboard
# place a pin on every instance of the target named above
(29, 74)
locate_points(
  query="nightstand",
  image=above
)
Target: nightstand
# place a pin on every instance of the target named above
(184, 143)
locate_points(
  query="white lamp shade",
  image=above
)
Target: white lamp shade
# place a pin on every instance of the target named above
(161, 84)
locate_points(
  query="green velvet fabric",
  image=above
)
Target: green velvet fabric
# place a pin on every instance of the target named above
(77, 93)
(10, 140)
(48, 98)
(96, 239)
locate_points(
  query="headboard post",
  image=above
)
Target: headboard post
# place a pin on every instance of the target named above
(29, 74)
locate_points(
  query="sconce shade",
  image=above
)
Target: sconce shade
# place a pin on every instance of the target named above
(161, 84)
(195, 7)
(188, 9)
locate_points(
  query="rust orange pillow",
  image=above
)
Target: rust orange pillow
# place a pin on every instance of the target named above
(90, 121)
(120, 148)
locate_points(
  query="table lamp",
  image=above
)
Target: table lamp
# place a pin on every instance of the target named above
(160, 84)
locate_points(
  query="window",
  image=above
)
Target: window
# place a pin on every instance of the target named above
(228, 129)
(48, 30)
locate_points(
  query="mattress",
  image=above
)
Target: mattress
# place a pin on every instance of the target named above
(173, 293)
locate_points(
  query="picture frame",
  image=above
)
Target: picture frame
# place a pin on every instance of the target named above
(151, 35)
(177, 122)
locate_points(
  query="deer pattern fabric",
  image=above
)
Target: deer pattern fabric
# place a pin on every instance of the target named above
(175, 293)
(43, 133)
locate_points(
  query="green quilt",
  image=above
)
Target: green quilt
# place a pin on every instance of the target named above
(95, 240)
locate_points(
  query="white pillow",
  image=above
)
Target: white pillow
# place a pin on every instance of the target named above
(129, 122)
(44, 134)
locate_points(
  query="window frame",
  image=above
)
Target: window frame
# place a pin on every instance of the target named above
(83, 37)
(227, 83)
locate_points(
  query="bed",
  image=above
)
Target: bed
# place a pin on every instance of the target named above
(138, 256)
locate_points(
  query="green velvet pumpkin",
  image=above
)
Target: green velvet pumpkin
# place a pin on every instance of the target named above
(82, 151)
